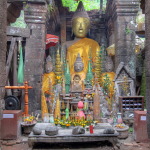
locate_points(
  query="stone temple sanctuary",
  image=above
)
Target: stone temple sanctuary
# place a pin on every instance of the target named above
(74, 72)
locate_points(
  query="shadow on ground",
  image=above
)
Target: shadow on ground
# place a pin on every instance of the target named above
(73, 146)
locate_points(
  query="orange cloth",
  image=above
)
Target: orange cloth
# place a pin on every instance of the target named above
(85, 47)
(48, 78)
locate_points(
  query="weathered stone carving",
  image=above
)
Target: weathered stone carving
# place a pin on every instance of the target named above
(78, 130)
(51, 130)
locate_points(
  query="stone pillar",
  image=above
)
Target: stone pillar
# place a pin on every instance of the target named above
(35, 17)
(124, 25)
(63, 27)
(3, 43)
(147, 61)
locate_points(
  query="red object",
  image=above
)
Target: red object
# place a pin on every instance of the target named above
(91, 129)
(140, 126)
(51, 40)
(11, 124)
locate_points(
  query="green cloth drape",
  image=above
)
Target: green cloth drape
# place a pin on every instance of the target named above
(21, 65)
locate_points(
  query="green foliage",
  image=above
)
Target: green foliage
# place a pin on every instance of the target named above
(140, 18)
(128, 31)
(51, 8)
(88, 4)
(106, 84)
(20, 23)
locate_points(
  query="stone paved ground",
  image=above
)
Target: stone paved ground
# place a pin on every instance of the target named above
(128, 144)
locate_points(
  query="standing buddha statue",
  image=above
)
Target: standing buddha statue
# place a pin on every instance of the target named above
(80, 45)
(48, 81)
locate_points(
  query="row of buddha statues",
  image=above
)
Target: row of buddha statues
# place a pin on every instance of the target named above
(77, 64)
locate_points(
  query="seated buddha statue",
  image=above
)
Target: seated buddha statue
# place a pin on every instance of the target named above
(81, 46)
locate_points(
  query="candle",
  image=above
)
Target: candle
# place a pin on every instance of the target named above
(91, 129)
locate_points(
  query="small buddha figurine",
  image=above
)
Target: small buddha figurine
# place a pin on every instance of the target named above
(80, 45)
(77, 84)
(78, 76)
(78, 65)
(78, 68)
(49, 75)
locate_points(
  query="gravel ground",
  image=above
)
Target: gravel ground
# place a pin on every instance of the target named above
(127, 144)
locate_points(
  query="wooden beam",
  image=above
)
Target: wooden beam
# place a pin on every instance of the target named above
(9, 58)
(9, 38)
(15, 82)
(35, 1)
(22, 32)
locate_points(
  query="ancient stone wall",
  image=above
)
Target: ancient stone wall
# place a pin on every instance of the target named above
(3, 39)
(147, 61)
(121, 19)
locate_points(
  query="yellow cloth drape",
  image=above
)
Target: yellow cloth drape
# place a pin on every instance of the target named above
(85, 47)
(48, 78)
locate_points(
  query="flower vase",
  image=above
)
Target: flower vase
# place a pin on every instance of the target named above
(119, 118)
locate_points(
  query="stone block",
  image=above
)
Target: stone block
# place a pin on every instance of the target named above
(121, 58)
(37, 32)
(43, 126)
(148, 81)
(34, 66)
(35, 99)
(37, 130)
(103, 126)
(2, 68)
(2, 92)
(35, 53)
(34, 80)
(2, 80)
(51, 130)
(78, 130)
(147, 65)
(109, 131)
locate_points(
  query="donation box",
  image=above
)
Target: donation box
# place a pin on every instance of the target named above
(11, 124)
(140, 126)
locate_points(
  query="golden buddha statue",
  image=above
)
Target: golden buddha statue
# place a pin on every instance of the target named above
(81, 45)
(49, 75)
(48, 80)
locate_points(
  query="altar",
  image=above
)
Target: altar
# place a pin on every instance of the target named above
(66, 136)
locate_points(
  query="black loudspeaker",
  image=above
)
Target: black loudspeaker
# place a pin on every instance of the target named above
(12, 103)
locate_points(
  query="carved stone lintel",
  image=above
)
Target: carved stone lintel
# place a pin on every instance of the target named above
(35, 13)
(122, 8)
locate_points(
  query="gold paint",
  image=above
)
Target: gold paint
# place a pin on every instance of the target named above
(48, 78)
(80, 27)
